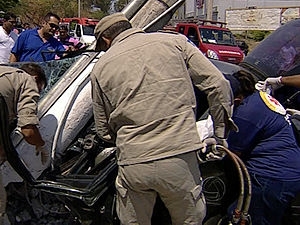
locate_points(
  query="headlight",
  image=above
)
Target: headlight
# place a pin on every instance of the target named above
(212, 54)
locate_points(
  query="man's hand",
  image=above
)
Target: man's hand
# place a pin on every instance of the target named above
(44, 153)
(272, 83)
(209, 152)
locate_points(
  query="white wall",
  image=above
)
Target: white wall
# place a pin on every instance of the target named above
(222, 5)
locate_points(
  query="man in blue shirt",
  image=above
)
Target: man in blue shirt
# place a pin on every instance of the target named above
(38, 45)
(267, 145)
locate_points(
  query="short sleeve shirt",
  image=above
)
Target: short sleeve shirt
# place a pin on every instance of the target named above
(6, 44)
(29, 47)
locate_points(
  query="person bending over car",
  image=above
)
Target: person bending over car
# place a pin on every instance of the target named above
(143, 101)
(19, 89)
(267, 145)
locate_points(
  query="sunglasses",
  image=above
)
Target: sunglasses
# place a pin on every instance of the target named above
(54, 26)
(12, 21)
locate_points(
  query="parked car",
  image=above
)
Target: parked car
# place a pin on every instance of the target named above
(212, 38)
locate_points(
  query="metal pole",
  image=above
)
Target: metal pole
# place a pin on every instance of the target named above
(78, 8)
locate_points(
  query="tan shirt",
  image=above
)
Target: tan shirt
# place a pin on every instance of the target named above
(143, 95)
(21, 94)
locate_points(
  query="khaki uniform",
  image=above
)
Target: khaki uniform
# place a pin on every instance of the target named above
(21, 94)
(144, 100)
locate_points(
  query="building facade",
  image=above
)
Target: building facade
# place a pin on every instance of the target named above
(216, 9)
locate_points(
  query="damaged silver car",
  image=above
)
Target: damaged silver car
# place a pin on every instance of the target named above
(77, 186)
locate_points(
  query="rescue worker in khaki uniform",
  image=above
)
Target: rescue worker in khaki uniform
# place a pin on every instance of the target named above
(20, 90)
(143, 100)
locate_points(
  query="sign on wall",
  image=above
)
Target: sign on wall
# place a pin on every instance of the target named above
(259, 19)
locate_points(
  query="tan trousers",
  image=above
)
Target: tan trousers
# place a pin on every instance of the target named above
(176, 180)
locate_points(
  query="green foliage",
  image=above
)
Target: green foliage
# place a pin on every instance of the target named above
(33, 11)
(98, 15)
(258, 35)
(103, 4)
(7, 5)
(255, 35)
(121, 4)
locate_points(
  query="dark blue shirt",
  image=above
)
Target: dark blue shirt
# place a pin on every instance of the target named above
(30, 47)
(265, 140)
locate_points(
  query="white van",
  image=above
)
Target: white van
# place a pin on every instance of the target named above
(85, 33)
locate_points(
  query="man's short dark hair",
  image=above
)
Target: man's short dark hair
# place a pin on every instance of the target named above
(246, 82)
(35, 69)
(9, 15)
(50, 14)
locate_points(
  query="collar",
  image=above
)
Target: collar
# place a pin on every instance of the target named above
(125, 34)
(1, 27)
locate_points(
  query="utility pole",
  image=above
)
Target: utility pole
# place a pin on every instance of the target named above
(78, 8)
(209, 9)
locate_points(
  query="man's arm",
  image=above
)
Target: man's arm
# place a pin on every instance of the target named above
(293, 81)
(277, 82)
(206, 77)
(32, 135)
(13, 58)
(101, 112)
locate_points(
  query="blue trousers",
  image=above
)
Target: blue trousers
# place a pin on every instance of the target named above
(270, 199)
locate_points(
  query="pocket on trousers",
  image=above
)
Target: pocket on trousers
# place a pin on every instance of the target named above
(120, 188)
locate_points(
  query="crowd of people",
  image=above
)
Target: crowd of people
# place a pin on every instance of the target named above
(146, 107)
(46, 42)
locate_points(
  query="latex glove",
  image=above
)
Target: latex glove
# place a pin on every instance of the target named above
(209, 152)
(44, 153)
(292, 111)
(269, 85)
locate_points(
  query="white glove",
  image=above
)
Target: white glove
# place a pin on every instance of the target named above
(44, 153)
(292, 111)
(209, 152)
(269, 85)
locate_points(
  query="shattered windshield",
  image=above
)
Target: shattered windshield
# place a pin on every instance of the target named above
(54, 70)
(218, 37)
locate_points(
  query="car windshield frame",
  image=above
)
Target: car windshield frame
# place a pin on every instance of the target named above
(217, 36)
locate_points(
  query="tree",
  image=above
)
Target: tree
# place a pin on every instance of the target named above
(33, 11)
(103, 5)
(7, 5)
(121, 4)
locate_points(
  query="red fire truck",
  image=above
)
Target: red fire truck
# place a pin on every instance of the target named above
(212, 38)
